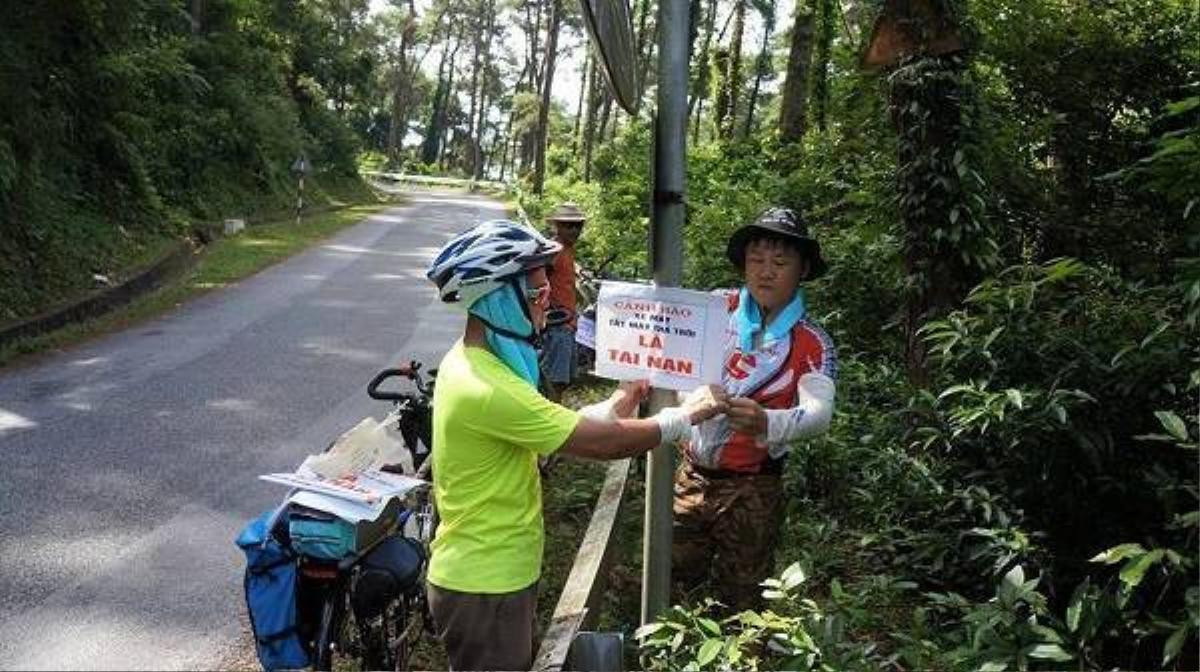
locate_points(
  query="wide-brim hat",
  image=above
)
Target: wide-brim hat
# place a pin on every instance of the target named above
(568, 213)
(778, 223)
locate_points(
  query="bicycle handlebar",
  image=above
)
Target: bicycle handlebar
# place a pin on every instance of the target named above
(373, 390)
(411, 371)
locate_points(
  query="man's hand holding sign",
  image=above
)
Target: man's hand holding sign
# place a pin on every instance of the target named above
(659, 334)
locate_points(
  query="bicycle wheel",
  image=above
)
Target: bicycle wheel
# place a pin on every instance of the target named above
(400, 647)
(375, 640)
(416, 625)
(329, 635)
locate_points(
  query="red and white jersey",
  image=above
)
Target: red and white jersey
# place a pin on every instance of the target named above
(792, 378)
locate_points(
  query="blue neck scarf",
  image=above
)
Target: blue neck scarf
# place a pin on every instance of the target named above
(749, 319)
(502, 308)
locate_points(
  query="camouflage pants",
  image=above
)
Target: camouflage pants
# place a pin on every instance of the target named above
(725, 533)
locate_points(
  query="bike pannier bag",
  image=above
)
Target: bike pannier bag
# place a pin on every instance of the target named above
(318, 534)
(392, 568)
(271, 588)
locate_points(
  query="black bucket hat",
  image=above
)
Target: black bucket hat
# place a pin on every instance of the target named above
(778, 223)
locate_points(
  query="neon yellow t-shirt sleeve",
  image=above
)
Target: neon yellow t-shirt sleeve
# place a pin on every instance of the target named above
(518, 415)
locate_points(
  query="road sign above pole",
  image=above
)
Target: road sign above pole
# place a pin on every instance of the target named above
(610, 27)
(301, 166)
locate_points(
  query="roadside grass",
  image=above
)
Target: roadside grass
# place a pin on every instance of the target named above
(231, 259)
(371, 161)
(220, 264)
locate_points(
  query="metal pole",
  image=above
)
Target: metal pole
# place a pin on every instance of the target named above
(666, 251)
(300, 199)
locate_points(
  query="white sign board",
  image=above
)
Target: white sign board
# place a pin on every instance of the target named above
(585, 332)
(673, 337)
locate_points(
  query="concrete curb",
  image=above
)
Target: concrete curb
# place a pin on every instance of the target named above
(169, 265)
(172, 263)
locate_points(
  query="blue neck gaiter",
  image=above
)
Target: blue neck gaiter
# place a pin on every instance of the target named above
(749, 319)
(503, 309)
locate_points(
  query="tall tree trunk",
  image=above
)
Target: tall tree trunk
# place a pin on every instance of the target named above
(490, 154)
(447, 131)
(604, 116)
(583, 94)
(397, 123)
(539, 170)
(533, 34)
(431, 147)
(477, 135)
(447, 136)
(700, 81)
(734, 78)
(722, 93)
(925, 100)
(402, 87)
(512, 158)
(528, 137)
(506, 141)
(821, 75)
(644, 43)
(197, 16)
(473, 89)
(762, 67)
(595, 93)
(793, 109)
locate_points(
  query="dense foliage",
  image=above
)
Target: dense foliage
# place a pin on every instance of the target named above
(122, 121)
(1011, 481)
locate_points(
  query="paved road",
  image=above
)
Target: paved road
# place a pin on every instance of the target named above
(127, 466)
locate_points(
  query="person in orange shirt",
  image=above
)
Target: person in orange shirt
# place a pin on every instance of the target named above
(558, 341)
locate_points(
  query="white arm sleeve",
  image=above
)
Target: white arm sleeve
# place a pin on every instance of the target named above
(674, 425)
(811, 414)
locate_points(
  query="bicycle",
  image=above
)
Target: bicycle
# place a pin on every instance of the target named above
(372, 605)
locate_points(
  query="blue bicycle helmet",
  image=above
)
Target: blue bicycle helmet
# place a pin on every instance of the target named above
(482, 258)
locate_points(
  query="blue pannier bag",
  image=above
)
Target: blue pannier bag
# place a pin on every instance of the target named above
(271, 588)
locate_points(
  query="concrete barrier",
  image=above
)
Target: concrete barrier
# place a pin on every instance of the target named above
(170, 264)
(435, 181)
(234, 226)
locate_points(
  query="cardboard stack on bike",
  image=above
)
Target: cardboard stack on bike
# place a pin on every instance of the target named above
(343, 501)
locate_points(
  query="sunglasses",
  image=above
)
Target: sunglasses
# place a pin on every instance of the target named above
(538, 296)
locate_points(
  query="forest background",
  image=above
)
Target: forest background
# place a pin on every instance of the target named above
(1011, 479)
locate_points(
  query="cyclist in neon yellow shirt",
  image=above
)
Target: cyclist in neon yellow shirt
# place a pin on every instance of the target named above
(490, 425)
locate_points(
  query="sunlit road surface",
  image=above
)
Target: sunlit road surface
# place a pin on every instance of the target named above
(128, 465)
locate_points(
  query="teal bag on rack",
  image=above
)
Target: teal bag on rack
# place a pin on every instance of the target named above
(317, 534)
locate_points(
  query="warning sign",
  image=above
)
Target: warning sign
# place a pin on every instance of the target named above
(670, 336)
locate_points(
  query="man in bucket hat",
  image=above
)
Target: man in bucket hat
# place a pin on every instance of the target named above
(779, 373)
(558, 341)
